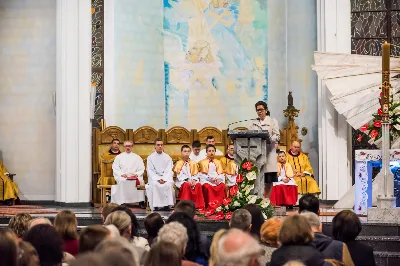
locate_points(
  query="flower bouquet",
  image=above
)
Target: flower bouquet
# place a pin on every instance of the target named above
(373, 129)
(241, 196)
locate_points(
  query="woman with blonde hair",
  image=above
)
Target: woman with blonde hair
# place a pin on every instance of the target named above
(269, 238)
(213, 261)
(295, 238)
(122, 221)
(19, 223)
(66, 225)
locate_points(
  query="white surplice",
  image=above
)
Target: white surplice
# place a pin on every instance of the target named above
(185, 175)
(125, 191)
(159, 166)
(212, 173)
(203, 153)
(282, 175)
(197, 158)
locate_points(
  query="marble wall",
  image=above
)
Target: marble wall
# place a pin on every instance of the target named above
(146, 35)
(27, 83)
(138, 90)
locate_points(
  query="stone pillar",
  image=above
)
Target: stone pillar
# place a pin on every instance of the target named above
(334, 35)
(73, 101)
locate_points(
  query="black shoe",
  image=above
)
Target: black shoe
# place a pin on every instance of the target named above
(142, 205)
(289, 207)
(166, 208)
(9, 202)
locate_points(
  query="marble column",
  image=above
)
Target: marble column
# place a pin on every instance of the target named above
(334, 35)
(73, 176)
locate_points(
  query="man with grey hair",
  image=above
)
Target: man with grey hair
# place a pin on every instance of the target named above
(128, 169)
(238, 248)
(175, 233)
(241, 219)
(331, 249)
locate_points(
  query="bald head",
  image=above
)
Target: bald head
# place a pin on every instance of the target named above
(238, 248)
(295, 147)
(39, 220)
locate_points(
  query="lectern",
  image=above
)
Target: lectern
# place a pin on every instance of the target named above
(253, 145)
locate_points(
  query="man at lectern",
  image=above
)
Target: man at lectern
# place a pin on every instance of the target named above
(265, 122)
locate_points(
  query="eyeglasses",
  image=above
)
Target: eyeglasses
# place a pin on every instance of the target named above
(260, 110)
(127, 146)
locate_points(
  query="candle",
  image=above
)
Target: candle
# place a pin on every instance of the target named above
(385, 56)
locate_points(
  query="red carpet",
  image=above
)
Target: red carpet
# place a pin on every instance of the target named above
(31, 209)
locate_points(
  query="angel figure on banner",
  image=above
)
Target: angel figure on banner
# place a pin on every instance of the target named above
(190, 82)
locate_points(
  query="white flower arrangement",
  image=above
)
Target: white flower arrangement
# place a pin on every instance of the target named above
(248, 188)
(264, 203)
(251, 199)
(236, 204)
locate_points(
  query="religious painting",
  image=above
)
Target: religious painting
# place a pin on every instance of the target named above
(215, 60)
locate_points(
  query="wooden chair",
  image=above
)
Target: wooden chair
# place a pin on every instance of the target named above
(106, 179)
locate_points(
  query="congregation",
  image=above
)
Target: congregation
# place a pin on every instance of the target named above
(249, 240)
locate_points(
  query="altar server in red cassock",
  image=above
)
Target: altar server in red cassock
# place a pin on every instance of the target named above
(187, 179)
(212, 177)
(284, 192)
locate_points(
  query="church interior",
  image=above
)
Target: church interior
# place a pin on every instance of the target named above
(78, 75)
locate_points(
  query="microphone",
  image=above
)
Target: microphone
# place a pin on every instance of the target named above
(246, 120)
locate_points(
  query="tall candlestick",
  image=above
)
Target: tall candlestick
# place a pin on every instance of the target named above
(385, 101)
(386, 56)
(385, 82)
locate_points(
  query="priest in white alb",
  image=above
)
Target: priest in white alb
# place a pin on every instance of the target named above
(160, 187)
(128, 169)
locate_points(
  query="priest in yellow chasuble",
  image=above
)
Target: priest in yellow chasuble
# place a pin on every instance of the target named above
(303, 172)
(8, 188)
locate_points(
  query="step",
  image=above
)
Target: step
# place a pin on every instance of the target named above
(382, 243)
(370, 229)
(385, 258)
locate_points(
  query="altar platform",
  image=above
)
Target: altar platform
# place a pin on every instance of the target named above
(384, 238)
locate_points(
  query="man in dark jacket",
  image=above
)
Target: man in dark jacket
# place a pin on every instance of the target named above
(331, 249)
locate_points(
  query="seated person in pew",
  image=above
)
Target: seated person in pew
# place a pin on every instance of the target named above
(128, 169)
(109, 155)
(212, 177)
(195, 154)
(303, 172)
(113, 151)
(160, 187)
(284, 192)
(210, 140)
(187, 179)
(8, 188)
(230, 167)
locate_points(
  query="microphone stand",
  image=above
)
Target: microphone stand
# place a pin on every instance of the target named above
(241, 121)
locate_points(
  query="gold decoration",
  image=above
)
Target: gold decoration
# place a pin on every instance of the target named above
(145, 135)
(178, 135)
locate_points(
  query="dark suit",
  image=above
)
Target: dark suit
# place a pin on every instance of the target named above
(361, 254)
